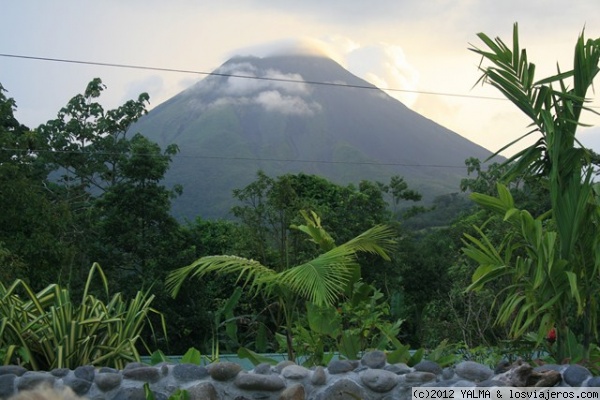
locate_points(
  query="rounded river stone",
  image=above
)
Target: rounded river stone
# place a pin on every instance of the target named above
(107, 381)
(12, 369)
(575, 375)
(189, 372)
(203, 391)
(146, 374)
(379, 381)
(296, 372)
(224, 371)
(248, 381)
(473, 371)
(340, 366)
(79, 386)
(374, 359)
(293, 392)
(318, 378)
(428, 366)
(85, 372)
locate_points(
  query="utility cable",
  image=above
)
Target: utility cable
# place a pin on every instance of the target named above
(288, 80)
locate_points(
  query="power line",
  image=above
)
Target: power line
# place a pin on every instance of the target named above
(288, 80)
(5, 149)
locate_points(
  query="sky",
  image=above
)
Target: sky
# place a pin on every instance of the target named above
(419, 48)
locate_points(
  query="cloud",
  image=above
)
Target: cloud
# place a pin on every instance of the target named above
(290, 46)
(272, 101)
(383, 64)
(291, 105)
(271, 91)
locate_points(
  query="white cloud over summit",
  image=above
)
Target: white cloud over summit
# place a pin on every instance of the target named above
(272, 90)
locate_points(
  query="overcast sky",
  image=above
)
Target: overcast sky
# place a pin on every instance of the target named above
(420, 46)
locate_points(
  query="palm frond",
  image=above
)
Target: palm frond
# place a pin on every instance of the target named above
(247, 270)
(322, 279)
(379, 240)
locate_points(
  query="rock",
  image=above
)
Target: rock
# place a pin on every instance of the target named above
(78, 385)
(60, 372)
(549, 367)
(374, 359)
(108, 369)
(340, 366)
(428, 366)
(248, 381)
(203, 391)
(318, 378)
(164, 369)
(523, 375)
(575, 375)
(547, 379)
(473, 371)
(279, 367)
(517, 375)
(418, 377)
(31, 379)
(379, 381)
(293, 392)
(398, 369)
(447, 373)
(133, 365)
(343, 389)
(189, 372)
(263, 369)
(295, 372)
(7, 385)
(594, 382)
(146, 374)
(12, 369)
(502, 367)
(224, 371)
(107, 381)
(85, 372)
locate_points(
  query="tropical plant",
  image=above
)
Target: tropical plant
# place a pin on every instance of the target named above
(48, 329)
(571, 244)
(321, 280)
(360, 322)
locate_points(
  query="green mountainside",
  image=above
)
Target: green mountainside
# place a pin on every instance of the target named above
(228, 127)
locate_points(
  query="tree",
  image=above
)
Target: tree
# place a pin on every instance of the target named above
(570, 238)
(109, 178)
(320, 280)
(34, 223)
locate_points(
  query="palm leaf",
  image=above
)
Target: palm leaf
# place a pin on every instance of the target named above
(247, 270)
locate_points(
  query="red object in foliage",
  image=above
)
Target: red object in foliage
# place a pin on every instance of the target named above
(551, 337)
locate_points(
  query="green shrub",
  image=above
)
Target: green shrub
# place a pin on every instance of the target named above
(47, 330)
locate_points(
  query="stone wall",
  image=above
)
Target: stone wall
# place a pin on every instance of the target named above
(370, 378)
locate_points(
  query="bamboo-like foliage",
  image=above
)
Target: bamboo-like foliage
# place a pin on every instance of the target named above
(49, 330)
(554, 106)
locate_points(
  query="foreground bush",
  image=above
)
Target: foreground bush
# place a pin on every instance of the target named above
(47, 330)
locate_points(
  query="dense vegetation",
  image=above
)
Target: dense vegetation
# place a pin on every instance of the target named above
(307, 266)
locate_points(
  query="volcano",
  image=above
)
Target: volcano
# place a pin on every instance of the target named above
(297, 113)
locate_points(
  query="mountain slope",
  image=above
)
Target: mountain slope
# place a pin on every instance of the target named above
(228, 127)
